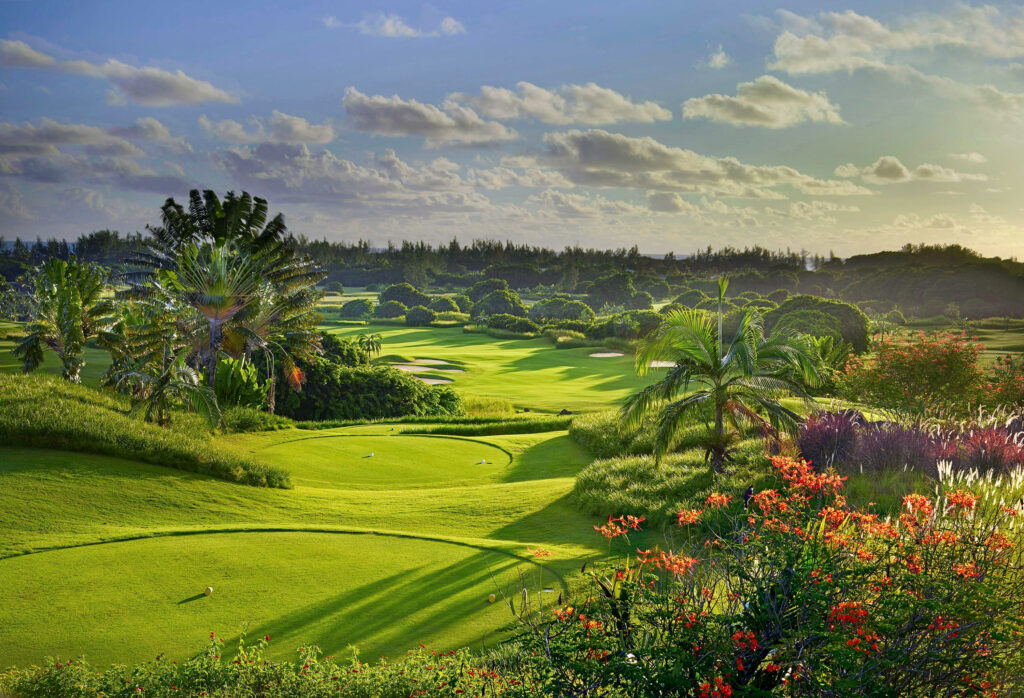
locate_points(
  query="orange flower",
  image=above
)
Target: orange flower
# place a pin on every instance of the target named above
(717, 501)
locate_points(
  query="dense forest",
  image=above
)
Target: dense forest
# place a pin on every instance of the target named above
(918, 280)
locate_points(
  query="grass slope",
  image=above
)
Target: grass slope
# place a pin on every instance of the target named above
(284, 562)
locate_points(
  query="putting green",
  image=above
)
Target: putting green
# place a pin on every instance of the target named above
(385, 461)
(140, 598)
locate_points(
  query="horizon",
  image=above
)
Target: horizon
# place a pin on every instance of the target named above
(851, 129)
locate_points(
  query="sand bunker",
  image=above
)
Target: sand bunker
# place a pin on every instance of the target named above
(434, 381)
(430, 362)
(410, 369)
(662, 364)
(606, 354)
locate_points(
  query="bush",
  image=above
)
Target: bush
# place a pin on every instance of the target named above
(641, 300)
(561, 309)
(690, 298)
(359, 308)
(461, 300)
(238, 384)
(810, 322)
(503, 321)
(779, 295)
(482, 288)
(336, 287)
(405, 294)
(895, 317)
(571, 325)
(335, 392)
(443, 304)
(342, 351)
(916, 374)
(500, 301)
(390, 309)
(828, 439)
(801, 595)
(654, 285)
(46, 412)
(853, 323)
(418, 316)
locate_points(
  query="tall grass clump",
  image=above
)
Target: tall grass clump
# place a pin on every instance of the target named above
(45, 412)
(530, 425)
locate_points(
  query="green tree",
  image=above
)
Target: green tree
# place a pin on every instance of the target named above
(166, 384)
(725, 384)
(370, 343)
(68, 308)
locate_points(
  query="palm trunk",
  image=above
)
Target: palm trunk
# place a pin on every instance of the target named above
(718, 451)
(216, 337)
(272, 395)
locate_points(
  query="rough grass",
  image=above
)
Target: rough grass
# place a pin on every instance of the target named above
(505, 426)
(43, 411)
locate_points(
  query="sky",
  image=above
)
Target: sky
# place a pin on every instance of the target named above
(830, 127)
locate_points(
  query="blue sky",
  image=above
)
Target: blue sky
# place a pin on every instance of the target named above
(826, 126)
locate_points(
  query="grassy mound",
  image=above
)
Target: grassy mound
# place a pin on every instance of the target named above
(44, 412)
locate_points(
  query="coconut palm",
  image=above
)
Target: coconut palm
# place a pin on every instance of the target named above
(370, 343)
(166, 383)
(68, 308)
(724, 384)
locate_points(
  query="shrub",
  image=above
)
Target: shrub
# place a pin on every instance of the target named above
(238, 384)
(462, 301)
(641, 300)
(482, 288)
(336, 287)
(895, 317)
(1005, 383)
(500, 301)
(801, 595)
(418, 316)
(344, 351)
(359, 308)
(779, 295)
(810, 322)
(916, 373)
(503, 321)
(829, 438)
(654, 285)
(690, 298)
(45, 412)
(443, 304)
(853, 323)
(561, 309)
(570, 325)
(365, 392)
(390, 309)
(405, 294)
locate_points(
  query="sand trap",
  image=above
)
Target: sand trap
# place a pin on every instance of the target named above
(662, 364)
(409, 369)
(430, 362)
(606, 354)
(433, 381)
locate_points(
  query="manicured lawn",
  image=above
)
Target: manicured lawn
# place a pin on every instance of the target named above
(530, 373)
(288, 563)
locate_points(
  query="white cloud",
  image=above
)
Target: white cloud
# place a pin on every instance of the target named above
(588, 104)
(717, 60)
(852, 42)
(393, 116)
(669, 202)
(767, 102)
(971, 157)
(12, 203)
(393, 26)
(147, 86)
(888, 169)
(601, 159)
(504, 177)
(149, 129)
(569, 205)
(281, 128)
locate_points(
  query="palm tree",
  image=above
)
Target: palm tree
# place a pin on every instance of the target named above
(166, 383)
(238, 272)
(724, 384)
(68, 309)
(370, 343)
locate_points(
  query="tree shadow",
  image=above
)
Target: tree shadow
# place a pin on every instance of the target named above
(557, 457)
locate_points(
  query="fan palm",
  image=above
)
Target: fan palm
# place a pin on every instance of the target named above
(726, 384)
(68, 308)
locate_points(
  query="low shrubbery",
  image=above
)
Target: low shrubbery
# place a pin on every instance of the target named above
(359, 308)
(390, 309)
(418, 316)
(44, 412)
(333, 392)
(787, 590)
(251, 673)
(847, 441)
(246, 419)
(522, 425)
(512, 323)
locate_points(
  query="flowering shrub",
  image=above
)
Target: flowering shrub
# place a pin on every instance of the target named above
(917, 373)
(804, 596)
(1005, 385)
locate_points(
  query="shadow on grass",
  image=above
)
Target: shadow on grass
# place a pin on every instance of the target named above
(191, 599)
(557, 457)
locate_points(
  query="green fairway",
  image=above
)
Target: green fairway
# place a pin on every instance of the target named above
(137, 599)
(529, 372)
(288, 563)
